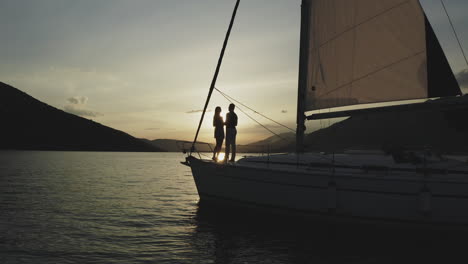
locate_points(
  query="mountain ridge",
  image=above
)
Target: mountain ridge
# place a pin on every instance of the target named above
(29, 124)
(440, 131)
(436, 130)
(269, 144)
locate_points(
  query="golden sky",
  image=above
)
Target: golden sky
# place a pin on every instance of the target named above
(145, 66)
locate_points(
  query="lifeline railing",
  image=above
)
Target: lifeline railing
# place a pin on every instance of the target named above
(263, 150)
(193, 147)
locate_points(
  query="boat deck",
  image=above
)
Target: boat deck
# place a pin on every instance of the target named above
(358, 163)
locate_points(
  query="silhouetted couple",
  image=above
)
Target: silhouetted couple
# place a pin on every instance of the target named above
(231, 132)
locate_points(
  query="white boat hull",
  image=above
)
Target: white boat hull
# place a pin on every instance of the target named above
(441, 199)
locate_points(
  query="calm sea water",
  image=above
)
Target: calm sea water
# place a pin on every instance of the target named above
(101, 207)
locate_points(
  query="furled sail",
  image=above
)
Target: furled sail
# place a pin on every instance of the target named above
(368, 51)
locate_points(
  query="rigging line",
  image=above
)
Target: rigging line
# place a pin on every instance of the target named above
(240, 109)
(215, 77)
(454, 32)
(255, 112)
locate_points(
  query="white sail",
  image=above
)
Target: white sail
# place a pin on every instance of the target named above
(365, 51)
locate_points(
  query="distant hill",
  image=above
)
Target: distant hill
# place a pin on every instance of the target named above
(272, 144)
(174, 145)
(442, 131)
(284, 142)
(29, 124)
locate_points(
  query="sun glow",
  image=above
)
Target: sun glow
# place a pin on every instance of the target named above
(221, 156)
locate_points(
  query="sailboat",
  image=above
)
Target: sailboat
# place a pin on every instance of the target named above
(354, 53)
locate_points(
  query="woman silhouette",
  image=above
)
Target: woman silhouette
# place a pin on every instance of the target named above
(218, 124)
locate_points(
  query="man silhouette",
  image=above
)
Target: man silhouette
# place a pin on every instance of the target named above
(231, 132)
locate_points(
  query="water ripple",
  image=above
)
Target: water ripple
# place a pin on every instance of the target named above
(82, 207)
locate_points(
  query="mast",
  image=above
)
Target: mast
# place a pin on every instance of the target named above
(215, 77)
(303, 72)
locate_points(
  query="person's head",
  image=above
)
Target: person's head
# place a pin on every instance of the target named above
(231, 107)
(217, 110)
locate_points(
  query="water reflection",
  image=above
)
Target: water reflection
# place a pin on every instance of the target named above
(79, 207)
(247, 236)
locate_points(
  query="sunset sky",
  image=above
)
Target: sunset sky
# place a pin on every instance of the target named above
(145, 66)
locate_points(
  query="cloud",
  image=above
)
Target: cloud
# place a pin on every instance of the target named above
(80, 111)
(77, 106)
(196, 111)
(78, 100)
(462, 78)
(284, 111)
(152, 128)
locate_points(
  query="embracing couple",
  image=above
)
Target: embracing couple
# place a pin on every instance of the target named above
(231, 132)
